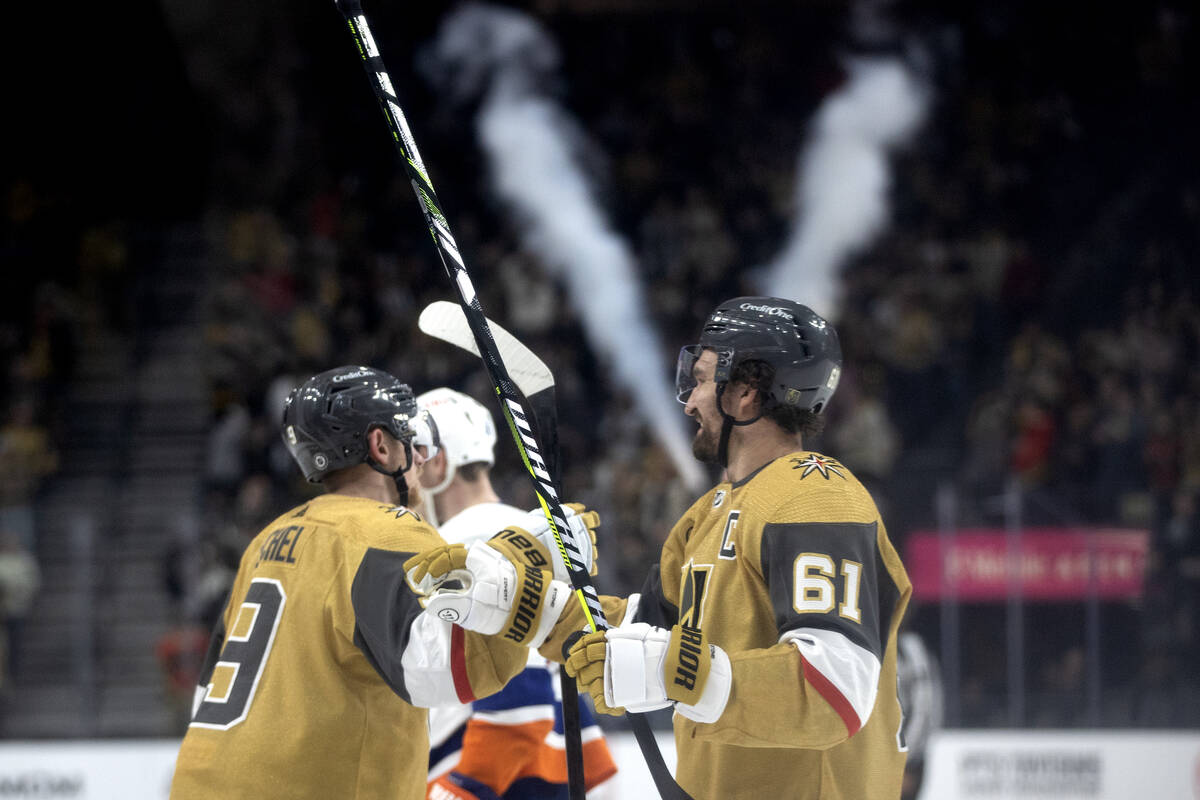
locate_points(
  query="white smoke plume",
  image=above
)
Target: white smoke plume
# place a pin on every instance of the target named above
(843, 178)
(533, 147)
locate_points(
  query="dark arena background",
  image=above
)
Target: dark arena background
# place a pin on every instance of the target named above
(996, 203)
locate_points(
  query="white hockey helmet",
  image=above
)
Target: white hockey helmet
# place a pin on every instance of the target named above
(468, 435)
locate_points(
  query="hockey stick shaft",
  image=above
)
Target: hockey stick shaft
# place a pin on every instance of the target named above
(445, 321)
(519, 422)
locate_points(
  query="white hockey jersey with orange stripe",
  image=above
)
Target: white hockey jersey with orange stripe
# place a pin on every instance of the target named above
(511, 742)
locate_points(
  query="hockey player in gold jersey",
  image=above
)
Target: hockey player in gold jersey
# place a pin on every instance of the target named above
(770, 622)
(323, 664)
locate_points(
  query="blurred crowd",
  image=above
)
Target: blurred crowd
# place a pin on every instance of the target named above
(62, 276)
(1031, 317)
(1020, 322)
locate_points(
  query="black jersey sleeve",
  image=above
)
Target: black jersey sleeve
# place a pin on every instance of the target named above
(654, 607)
(384, 611)
(830, 576)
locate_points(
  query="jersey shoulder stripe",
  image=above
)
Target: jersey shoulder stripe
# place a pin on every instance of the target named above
(846, 675)
(833, 696)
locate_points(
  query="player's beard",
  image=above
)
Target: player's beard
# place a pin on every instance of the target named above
(706, 445)
(416, 495)
(416, 492)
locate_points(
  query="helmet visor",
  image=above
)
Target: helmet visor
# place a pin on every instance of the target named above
(685, 380)
(426, 439)
(685, 368)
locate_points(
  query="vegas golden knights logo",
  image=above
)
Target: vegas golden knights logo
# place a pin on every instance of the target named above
(693, 594)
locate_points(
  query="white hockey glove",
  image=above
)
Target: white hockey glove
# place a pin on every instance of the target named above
(639, 667)
(583, 524)
(497, 587)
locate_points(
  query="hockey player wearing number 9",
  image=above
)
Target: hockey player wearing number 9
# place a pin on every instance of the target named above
(770, 622)
(324, 662)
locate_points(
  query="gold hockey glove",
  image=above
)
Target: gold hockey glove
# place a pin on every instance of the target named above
(583, 524)
(496, 587)
(638, 667)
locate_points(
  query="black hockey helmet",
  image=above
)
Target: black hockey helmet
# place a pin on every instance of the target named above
(801, 346)
(327, 418)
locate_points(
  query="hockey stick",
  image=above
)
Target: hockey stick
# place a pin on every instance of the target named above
(446, 321)
(519, 422)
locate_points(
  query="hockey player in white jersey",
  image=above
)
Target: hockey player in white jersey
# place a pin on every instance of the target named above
(510, 745)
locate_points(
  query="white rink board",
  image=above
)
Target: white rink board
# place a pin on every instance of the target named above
(964, 765)
(141, 769)
(1081, 765)
(633, 780)
(137, 769)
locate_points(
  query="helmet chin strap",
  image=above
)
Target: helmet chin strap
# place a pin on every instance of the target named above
(445, 481)
(431, 513)
(727, 426)
(398, 475)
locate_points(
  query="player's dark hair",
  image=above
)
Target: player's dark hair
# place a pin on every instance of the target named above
(473, 471)
(760, 375)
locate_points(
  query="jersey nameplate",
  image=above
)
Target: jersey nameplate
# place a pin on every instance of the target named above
(280, 546)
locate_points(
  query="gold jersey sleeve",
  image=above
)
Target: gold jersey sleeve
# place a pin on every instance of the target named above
(316, 664)
(780, 570)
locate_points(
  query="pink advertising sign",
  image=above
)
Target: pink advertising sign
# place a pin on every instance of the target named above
(1054, 564)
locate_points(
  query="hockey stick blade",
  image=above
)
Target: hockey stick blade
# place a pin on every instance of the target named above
(444, 320)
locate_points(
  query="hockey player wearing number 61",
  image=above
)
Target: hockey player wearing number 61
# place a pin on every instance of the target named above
(324, 662)
(770, 622)
(509, 745)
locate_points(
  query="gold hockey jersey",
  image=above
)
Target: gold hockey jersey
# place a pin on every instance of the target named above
(322, 666)
(791, 572)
